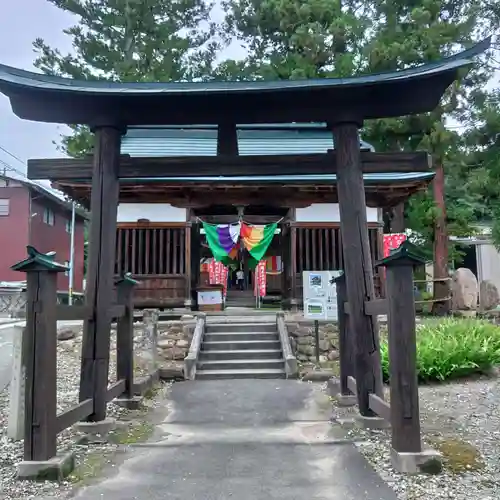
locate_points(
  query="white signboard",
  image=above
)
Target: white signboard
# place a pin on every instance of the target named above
(320, 294)
(209, 297)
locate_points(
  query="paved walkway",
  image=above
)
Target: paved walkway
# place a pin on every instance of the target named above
(245, 440)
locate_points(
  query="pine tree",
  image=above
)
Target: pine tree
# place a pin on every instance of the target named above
(416, 32)
(294, 39)
(131, 40)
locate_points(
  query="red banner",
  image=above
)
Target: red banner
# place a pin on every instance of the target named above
(392, 241)
(217, 274)
(211, 272)
(223, 278)
(260, 281)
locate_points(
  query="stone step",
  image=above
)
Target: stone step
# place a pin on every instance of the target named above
(240, 327)
(239, 336)
(243, 354)
(241, 345)
(240, 364)
(236, 374)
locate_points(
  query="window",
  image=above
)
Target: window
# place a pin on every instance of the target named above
(49, 217)
(4, 207)
(68, 226)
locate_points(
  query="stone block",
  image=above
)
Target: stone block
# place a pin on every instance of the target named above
(101, 428)
(488, 296)
(333, 386)
(346, 400)
(374, 423)
(317, 376)
(464, 290)
(134, 403)
(55, 469)
(427, 461)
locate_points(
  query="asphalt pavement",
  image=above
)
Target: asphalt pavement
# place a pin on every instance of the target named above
(244, 440)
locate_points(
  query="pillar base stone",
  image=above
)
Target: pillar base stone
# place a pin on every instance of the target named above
(133, 403)
(422, 462)
(346, 399)
(375, 423)
(95, 429)
(55, 469)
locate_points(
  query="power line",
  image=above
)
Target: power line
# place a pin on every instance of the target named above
(12, 155)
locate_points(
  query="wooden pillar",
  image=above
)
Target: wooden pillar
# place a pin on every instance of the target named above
(293, 266)
(39, 355)
(405, 419)
(188, 262)
(346, 346)
(125, 335)
(99, 292)
(357, 262)
(285, 266)
(195, 262)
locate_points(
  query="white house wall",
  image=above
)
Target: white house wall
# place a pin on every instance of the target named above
(488, 264)
(154, 212)
(164, 212)
(329, 212)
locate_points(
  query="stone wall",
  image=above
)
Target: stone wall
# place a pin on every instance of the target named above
(12, 303)
(302, 340)
(174, 339)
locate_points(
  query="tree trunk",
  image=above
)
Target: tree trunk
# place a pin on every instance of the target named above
(441, 288)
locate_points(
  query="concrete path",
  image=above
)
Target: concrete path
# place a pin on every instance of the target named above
(245, 440)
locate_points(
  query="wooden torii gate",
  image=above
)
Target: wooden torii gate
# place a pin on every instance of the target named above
(344, 104)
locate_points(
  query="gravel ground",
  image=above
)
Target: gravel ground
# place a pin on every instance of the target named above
(462, 421)
(68, 378)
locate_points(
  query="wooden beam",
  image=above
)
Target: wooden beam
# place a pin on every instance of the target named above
(357, 264)
(377, 307)
(99, 292)
(228, 165)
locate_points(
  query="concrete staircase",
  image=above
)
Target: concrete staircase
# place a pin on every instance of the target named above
(240, 350)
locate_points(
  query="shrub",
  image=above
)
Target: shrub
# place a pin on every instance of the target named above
(452, 348)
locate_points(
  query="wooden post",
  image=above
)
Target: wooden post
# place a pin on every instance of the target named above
(125, 335)
(40, 353)
(357, 263)
(346, 347)
(99, 292)
(188, 263)
(405, 418)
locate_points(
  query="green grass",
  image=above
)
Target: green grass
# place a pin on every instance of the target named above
(452, 348)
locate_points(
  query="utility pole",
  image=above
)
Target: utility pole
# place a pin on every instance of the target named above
(71, 255)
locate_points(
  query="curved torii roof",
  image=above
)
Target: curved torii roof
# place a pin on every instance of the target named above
(62, 100)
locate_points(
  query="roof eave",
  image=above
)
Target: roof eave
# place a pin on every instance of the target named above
(52, 99)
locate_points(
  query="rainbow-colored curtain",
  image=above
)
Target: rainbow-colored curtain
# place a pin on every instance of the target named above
(222, 241)
(256, 240)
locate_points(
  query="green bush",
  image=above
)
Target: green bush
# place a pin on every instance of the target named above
(452, 348)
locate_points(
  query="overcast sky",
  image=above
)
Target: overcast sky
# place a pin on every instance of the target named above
(21, 22)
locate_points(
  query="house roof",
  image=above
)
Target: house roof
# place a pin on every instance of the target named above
(51, 194)
(201, 140)
(47, 98)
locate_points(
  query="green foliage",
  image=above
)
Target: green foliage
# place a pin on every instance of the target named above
(131, 40)
(452, 348)
(167, 40)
